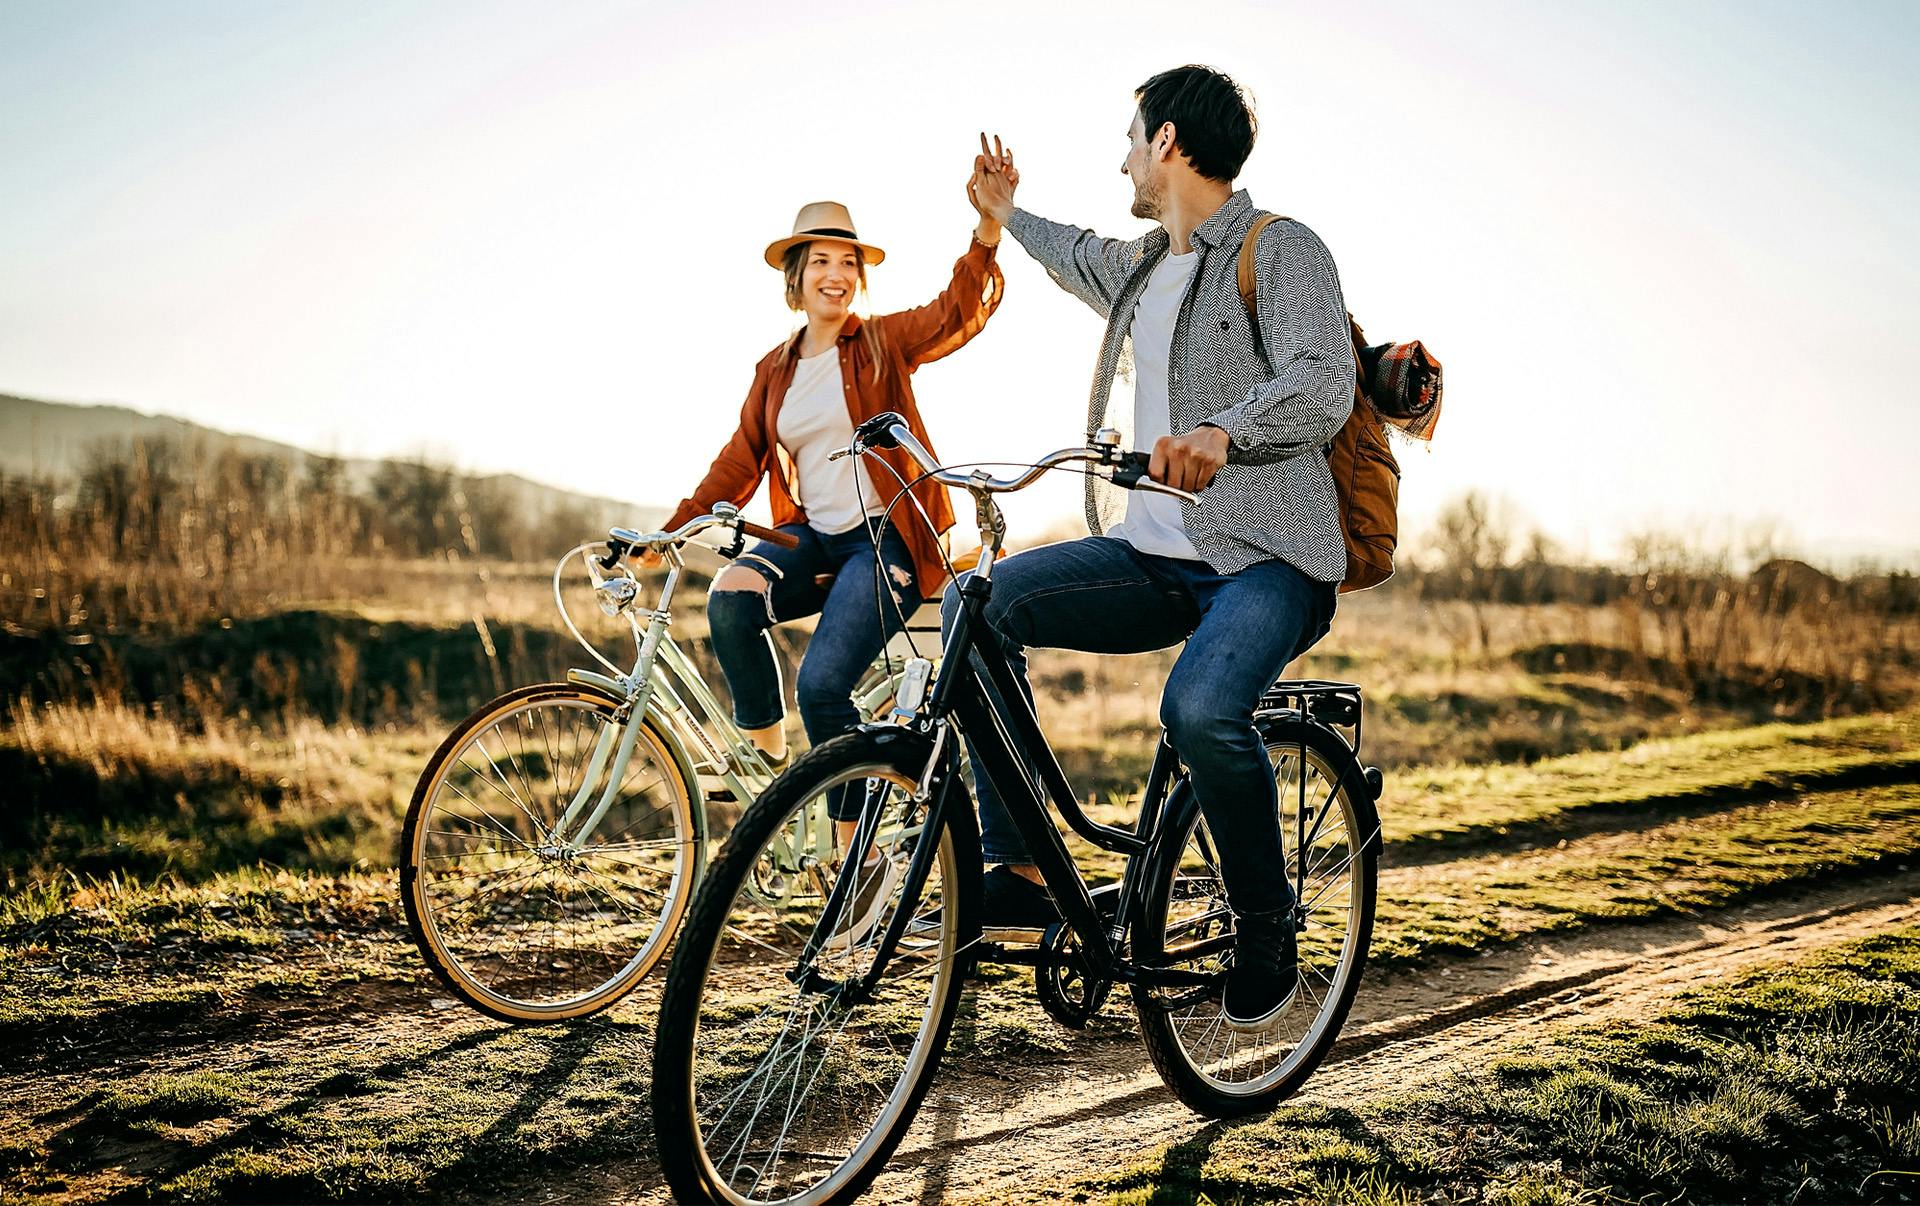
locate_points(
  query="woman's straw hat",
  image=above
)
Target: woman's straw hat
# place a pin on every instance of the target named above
(822, 220)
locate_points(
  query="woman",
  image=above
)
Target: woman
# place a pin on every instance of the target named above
(806, 397)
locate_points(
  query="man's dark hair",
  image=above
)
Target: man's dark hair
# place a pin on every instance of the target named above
(1212, 117)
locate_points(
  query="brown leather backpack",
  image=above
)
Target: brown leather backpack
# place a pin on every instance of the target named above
(1366, 477)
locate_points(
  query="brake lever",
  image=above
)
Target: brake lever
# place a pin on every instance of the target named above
(1130, 468)
(1130, 473)
(616, 551)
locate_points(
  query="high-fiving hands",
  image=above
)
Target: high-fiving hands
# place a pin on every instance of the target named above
(994, 178)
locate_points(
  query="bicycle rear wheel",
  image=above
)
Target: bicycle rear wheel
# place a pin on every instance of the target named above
(1330, 833)
(516, 919)
(773, 1080)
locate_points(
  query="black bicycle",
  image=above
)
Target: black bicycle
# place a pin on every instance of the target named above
(797, 1037)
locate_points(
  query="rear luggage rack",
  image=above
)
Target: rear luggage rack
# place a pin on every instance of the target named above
(1331, 703)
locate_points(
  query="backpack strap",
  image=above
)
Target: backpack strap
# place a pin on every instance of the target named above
(1250, 292)
(1250, 282)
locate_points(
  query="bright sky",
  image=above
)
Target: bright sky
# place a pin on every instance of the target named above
(1667, 252)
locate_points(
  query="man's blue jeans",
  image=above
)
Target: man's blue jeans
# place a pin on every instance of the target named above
(860, 602)
(1100, 595)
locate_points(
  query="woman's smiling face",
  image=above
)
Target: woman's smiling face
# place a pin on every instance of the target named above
(829, 279)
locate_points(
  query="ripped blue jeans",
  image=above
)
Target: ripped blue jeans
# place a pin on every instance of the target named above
(832, 574)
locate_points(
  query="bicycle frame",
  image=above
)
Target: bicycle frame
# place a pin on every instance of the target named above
(1009, 747)
(664, 683)
(982, 696)
(654, 686)
(1011, 750)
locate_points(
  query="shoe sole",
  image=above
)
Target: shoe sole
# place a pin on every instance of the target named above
(858, 933)
(1265, 1021)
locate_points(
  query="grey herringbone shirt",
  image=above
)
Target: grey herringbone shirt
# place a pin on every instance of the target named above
(1274, 497)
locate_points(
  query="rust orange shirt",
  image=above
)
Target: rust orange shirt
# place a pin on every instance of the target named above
(909, 339)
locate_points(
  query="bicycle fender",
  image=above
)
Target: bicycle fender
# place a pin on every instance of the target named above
(1175, 815)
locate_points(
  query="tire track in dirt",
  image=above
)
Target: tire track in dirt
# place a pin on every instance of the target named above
(981, 1136)
(987, 1133)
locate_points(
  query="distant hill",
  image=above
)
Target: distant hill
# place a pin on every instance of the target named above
(52, 439)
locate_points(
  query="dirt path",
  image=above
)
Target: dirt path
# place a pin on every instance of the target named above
(985, 1132)
(984, 1137)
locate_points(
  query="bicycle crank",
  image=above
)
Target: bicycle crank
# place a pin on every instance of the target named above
(1067, 992)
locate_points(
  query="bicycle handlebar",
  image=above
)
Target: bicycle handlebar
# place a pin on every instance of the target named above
(786, 540)
(621, 541)
(888, 430)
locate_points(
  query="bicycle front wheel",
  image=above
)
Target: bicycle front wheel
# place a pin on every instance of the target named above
(780, 1076)
(1330, 833)
(529, 901)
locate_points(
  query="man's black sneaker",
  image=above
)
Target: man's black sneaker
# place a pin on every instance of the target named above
(1012, 902)
(1265, 974)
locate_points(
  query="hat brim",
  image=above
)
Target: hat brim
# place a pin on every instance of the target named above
(777, 250)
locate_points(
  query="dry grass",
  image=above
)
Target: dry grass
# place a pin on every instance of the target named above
(104, 788)
(1556, 679)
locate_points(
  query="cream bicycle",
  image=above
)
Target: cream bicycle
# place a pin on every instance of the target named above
(556, 836)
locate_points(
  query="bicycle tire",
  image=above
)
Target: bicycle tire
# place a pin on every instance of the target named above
(707, 1051)
(1183, 1032)
(603, 929)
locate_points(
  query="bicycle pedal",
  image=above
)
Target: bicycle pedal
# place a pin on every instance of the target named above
(1014, 934)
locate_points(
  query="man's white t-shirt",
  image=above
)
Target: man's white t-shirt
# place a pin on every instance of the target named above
(1153, 523)
(813, 423)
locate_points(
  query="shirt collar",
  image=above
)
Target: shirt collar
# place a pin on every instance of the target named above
(1223, 223)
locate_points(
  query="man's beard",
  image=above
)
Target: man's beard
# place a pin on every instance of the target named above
(1146, 201)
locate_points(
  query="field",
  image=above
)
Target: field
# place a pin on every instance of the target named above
(1649, 924)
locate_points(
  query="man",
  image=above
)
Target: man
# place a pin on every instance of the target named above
(1247, 575)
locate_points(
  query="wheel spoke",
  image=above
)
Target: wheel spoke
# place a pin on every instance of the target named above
(1316, 820)
(786, 1091)
(532, 929)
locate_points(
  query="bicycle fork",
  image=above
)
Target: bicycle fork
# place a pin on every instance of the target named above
(936, 784)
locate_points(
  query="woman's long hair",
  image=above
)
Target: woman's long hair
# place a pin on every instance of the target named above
(794, 265)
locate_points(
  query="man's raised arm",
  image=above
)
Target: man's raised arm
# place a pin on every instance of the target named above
(1091, 268)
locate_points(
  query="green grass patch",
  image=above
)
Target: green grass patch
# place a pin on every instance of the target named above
(1442, 810)
(1797, 1084)
(124, 962)
(1687, 867)
(401, 1117)
(181, 1099)
(1445, 812)
(119, 973)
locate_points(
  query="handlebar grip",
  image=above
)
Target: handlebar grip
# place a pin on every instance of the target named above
(877, 432)
(1133, 467)
(1131, 474)
(786, 540)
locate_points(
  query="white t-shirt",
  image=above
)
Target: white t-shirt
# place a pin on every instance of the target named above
(813, 423)
(1153, 522)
